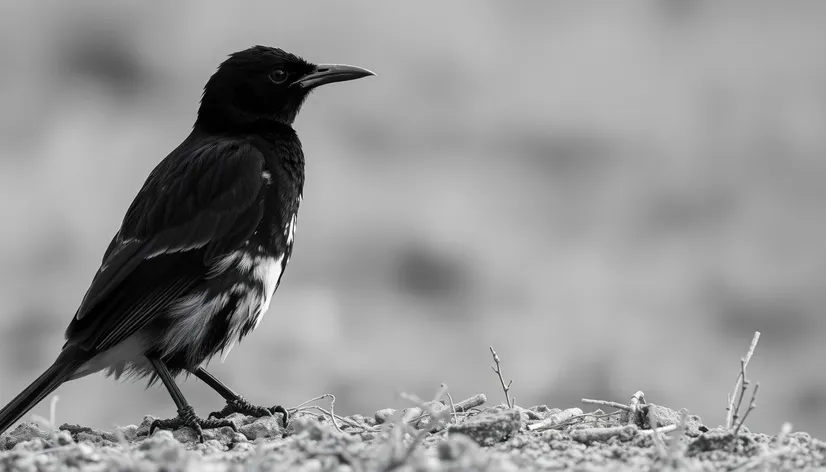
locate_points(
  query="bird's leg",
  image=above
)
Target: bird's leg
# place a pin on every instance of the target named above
(236, 403)
(186, 415)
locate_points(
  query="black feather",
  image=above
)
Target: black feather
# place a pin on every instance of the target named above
(203, 245)
(59, 372)
(174, 212)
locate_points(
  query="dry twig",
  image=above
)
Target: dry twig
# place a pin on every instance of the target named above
(477, 400)
(740, 385)
(556, 419)
(462, 407)
(452, 405)
(51, 422)
(752, 406)
(542, 425)
(437, 416)
(332, 414)
(662, 429)
(616, 405)
(506, 387)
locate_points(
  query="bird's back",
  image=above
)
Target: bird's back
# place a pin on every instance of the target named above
(233, 223)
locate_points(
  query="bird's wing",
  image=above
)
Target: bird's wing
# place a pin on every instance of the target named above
(200, 202)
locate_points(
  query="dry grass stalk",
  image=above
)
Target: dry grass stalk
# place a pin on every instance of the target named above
(505, 387)
(740, 385)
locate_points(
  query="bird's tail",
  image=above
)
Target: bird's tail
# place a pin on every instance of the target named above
(47, 383)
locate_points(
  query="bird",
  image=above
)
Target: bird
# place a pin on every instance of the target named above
(202, 247)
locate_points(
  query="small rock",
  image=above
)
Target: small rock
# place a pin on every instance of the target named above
(528, 415)
(411, 413)
(243, 447)
(75, 429)
(160, 437)
(97, 437)
(264, 427)
(185, 435)
(143, 428)
(383, 415)
(604, 434)
(358, 419)
(35, 444)
(717, 439)
(238, 438)
(24, 432)
(223, 435)
(434, 405)
(210, 446)
(308, 426)
(63, 438)
(488, 429)
(434, 424)
(543, 410)
(666, 416)
(240, 419)
(129, 433)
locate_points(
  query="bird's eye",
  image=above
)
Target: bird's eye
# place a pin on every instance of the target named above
(278, 76)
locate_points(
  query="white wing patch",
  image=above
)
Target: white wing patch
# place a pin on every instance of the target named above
(240, 260)
(291, 229)
(268, 271)
(195, 312)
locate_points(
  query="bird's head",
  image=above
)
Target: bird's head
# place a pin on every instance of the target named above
(263, 84)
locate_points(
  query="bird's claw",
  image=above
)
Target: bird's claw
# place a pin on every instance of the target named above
(240, 405)
(187, 417)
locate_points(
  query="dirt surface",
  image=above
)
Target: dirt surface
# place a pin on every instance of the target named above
(432, 437)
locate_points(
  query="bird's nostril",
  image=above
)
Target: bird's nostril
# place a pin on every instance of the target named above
(322, 69)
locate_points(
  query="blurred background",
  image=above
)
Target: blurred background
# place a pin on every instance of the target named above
(614, 196)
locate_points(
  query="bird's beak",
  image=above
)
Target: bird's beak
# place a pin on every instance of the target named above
(329, 73)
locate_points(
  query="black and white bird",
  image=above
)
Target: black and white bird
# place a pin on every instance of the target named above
(204, 244)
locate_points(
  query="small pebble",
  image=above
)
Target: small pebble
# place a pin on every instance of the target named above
(488, 429)
(130, 432)
(185, 435)
(223, 435)
(410, 413)
(35, 444)
(243, 447)
(264, 427)
(159, 437)
(63, 438)
(383, 415)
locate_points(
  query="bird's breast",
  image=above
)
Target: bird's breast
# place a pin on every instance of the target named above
(240, 284)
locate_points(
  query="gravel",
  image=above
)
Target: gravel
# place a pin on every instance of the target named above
(494, 438)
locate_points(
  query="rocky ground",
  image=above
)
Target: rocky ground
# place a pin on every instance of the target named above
(433, 436)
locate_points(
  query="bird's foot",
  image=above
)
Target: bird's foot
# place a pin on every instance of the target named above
(187, 417)
(240, 405)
